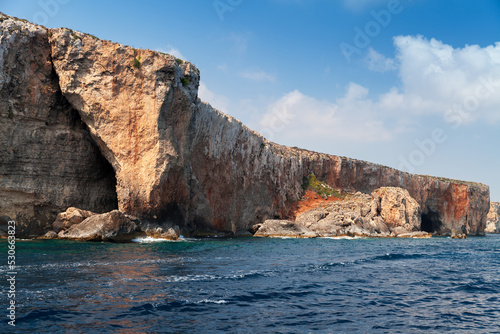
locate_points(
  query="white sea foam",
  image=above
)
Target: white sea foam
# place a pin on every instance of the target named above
(210, 301)
(151, 240)
(343, 238)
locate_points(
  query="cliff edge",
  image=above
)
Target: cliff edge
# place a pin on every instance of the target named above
(174, 158)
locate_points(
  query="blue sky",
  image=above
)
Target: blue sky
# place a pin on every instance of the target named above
(411, 84)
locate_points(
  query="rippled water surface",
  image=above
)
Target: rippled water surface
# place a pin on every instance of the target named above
(254, 285)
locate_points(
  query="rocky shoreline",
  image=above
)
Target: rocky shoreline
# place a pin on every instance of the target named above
(120, 132)
(387, 212)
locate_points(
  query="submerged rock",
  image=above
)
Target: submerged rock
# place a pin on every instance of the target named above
(283, 228)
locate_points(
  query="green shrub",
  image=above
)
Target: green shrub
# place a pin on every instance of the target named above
(179, 61)
(185, 81)
(320, 187)
(137, 62)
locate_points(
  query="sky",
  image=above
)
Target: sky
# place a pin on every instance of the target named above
(410, 84)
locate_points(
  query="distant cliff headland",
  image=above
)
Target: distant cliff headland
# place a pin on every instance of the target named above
(103, 128)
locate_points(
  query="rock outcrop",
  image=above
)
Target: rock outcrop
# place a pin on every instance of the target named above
(176, 159)
(493, 219)
(388, 212)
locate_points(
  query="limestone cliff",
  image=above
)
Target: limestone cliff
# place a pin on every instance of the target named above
(48, 160)
(493, 219)
(178, 159)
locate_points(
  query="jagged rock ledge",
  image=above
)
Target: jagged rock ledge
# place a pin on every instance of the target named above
(100, 126)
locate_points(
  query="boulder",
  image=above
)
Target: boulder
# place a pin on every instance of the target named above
(111, 226)
(283, 228)
(399, 230)
(417, 234)
(50, 235)
(161, 231)
(71, 216)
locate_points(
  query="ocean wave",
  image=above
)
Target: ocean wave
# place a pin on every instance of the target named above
(146, 240)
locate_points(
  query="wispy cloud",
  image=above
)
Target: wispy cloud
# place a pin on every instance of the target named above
(257, 75)
(172, 51)
(379, 63)
(218, 101)
(239, 42)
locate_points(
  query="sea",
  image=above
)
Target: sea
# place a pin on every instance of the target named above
(256, 285)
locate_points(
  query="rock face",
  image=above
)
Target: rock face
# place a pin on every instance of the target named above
(493, 219)
(111, 226)
(175, 158)
(48, 160)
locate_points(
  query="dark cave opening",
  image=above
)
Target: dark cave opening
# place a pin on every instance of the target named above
(431, 222)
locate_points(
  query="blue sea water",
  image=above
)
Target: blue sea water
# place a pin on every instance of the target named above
(253, 285)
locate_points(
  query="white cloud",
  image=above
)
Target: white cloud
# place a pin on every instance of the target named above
(217, 101)
(437, 79)
(460, 85)
(172, 51)
(379, 63)
(257, 75)
(297, 117)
